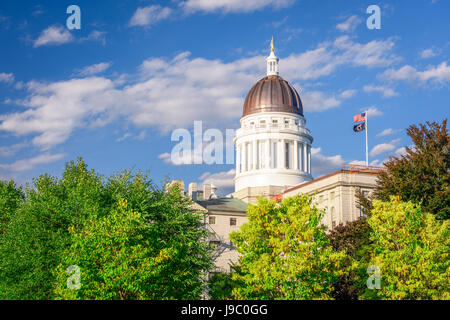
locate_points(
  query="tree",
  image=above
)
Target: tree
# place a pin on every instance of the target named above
(158, 253)
(423, 174)
(60, 217)
(10, 199)
(39, 231)
(411, 250)
(115, 256)
(285, 253)
(353, 239)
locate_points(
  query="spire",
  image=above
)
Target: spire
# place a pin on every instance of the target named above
(272, 62)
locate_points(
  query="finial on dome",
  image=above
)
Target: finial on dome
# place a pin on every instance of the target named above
(272, 62)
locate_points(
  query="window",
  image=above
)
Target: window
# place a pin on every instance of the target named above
(262, 123)
(212, 220)
(361, 210)
(232, 221)
(287, 156)
(333, 218)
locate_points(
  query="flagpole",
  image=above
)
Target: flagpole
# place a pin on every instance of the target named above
(367, 147)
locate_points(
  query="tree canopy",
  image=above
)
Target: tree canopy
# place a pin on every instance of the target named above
(422, 175)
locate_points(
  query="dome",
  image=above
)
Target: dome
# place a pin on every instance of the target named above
(272, 94)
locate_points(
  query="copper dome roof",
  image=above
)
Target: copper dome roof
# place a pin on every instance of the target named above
(272, 94)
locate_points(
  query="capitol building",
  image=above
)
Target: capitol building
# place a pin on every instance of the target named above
(273, 160)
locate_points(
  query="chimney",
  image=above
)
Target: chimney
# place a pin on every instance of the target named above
(213, 192)
(206, 191)
(192, 191)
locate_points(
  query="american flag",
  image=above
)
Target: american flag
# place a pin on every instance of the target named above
(359, 117)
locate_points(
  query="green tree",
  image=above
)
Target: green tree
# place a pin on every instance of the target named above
(423, 174)
(116, 258)
(157, 254)
(11, 197)
(39, 231)
(411, 248)
(285, 253)
(58, 214)
(352, 238)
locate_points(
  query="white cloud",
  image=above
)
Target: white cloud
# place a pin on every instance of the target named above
(7, 151)
(28, 164)
(430, 53)
(94, 69)
(173, 93)
(384, 147)
(440, 73)
(387, 132)
(6, 77)
(317, 101)
(373, 112)
(53, 35)
(150, 15)
(321, 164)
(329, 56)
(348, 94)
(385, 91)
(226, 6)
(349, 25)
(224, 181)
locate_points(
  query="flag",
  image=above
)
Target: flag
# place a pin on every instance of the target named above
(359, 127)
(359, 117)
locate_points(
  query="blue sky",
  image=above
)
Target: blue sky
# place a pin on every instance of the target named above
(114, 91)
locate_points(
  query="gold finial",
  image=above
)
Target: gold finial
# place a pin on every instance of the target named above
(271, 45)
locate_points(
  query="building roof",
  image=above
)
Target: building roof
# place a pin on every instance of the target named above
(272, 94)
(224, 204)
(371, 170)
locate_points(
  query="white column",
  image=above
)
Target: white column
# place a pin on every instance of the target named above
(255, 154)
(244, 157)
(305, 157)
(238, 159)
(309, 159)
(267, 158)
(280, 154)
(283, 153)
(295, 155)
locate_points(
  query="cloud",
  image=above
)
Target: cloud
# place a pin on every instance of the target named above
(440, 73)
(53, 35)
(329, 56)
(226, 6)
(95, 35)
(430, 53)
(317, 101)
(384, 147)
(172, 93)
(6, 77)
(348, 94)
(385, 91)
(150, 15)
(94, 69)
(321, 164)
(387, 132)
(28, 164)
(349, 25)
(373, 112)
(7, 151)
(224, 181)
